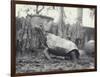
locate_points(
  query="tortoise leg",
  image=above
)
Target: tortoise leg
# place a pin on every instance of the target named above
(47, 54)
(74, 57)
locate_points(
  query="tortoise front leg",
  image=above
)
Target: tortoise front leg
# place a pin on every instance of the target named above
(45, 51)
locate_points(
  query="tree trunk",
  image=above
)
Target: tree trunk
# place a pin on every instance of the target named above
(61, 24)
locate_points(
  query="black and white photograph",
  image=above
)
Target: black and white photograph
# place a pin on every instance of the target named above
(53, 38)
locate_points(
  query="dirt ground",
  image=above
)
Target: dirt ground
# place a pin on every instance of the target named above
(38, 63)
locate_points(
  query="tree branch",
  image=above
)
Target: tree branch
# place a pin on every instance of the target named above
(40, 10)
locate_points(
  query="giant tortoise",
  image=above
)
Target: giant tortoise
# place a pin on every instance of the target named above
(56, 45)
(60, 47)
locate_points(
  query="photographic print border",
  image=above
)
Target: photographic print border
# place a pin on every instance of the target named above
(13, 36)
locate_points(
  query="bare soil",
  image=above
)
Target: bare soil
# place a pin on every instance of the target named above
(38, 63)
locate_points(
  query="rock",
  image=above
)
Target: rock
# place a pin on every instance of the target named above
(89, 48)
